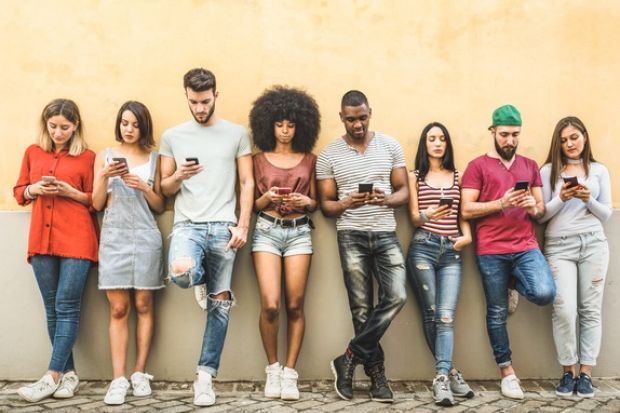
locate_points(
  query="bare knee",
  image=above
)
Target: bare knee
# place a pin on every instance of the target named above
(271, 312)
(119, 311)
(295, 311)
(224, 295)
(144, 307)
(182, 265)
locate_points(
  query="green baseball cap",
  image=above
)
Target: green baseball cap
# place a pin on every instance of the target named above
(506, 115)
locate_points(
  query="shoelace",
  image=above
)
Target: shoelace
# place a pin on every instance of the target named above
(459, 378)
(117, 387)
(378, 376)
(443, 383)
(348, 374)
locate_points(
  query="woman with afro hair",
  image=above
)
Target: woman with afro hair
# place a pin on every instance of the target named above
(285, 124)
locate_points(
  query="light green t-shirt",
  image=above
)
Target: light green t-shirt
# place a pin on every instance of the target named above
(209, 196)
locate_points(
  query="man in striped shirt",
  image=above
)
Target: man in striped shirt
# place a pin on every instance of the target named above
(362, 178)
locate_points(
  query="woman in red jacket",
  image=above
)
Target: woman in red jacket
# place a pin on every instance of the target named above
(57, 178)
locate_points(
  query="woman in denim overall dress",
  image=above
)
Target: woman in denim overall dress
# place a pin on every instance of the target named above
(131, 244)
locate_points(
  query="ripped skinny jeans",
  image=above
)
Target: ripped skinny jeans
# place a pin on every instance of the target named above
(434, 270)
(579, 266)
(204, 245)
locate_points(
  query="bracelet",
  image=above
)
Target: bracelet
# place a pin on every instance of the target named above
(27, 193)
(424, 217)
(501, 204)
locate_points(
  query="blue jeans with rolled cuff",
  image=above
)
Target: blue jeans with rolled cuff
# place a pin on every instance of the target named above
(61, 283)
(533, 281)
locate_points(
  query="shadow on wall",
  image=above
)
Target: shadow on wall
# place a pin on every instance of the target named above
(25, 348)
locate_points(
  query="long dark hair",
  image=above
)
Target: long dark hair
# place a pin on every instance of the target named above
(145, 123)
(557, 159)
(421, 159)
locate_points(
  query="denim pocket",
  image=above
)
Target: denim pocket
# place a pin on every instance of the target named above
(304, 229)
(262, 225)
(600, 236)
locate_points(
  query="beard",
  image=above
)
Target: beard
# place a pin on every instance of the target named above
(505, 153)
(206, 120)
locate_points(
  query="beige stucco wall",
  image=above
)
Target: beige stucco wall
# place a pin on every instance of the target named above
(417, 61)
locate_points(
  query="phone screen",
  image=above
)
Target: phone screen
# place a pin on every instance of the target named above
(365, 188)
(446, 201)
(571, 181)
(521, 185)
(195, 160)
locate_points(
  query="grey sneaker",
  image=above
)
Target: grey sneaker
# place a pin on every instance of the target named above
(459, 387)
(441, 391)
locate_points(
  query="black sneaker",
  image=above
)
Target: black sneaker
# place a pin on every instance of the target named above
(584, 386)
(343, 368)
(379, 387)
(567, 385)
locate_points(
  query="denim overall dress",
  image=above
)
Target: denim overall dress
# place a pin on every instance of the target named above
(130, 249)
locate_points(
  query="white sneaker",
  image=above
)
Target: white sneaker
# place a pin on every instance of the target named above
(200, 292)
(141, 383)
(511, 388)
(203, 389)
(68, 385)
(38, 390)
(117, 391)
(289, 384)
(273, 384)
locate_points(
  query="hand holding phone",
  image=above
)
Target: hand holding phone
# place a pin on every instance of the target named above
(571, 181)
(284, 190)
(192, 159)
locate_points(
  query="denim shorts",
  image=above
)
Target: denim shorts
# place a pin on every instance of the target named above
(271, 237)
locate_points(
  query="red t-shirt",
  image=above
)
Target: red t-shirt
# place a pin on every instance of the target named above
(511, 230)
(59, 226)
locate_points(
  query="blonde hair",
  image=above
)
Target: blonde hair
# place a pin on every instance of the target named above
(70, 111)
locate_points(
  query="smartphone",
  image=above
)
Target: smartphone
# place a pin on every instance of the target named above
(48, 179)
(195, 160)
(571, 181)
(364, 188)
(121, 160)
(446, 201)
(521, 185)
(284, 190)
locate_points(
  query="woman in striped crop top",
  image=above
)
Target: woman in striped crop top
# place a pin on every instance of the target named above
(434, 266)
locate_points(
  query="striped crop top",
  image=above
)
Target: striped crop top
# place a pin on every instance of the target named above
(429, 196)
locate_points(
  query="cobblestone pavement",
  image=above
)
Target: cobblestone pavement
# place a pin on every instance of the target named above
(318, 396)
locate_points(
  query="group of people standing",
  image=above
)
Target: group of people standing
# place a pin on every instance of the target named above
(359, 178)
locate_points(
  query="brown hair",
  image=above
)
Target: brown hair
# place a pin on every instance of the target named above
(70, 111)
(145, 124)
(557, 159)
(199, 80)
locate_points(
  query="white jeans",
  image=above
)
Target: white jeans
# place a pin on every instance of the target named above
(579, 267)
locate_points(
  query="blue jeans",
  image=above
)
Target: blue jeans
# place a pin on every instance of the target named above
(434, 270)
(204, 244)
(534, 282)
(61, 282)
(364, 254)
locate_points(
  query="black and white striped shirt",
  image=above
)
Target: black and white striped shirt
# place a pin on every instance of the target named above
(349, 168)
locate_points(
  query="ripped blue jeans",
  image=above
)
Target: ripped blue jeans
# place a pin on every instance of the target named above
(204, 243)
(435, 271)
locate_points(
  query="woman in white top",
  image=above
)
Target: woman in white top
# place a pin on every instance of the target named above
(577, 196)
(127, 185)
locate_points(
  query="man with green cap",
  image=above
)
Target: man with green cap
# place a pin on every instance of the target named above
(502, 193)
